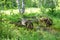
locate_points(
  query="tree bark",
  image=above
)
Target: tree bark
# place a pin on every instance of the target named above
(18, 3)
(23, 6)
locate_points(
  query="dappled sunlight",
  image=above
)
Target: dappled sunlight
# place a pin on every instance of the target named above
(27, 10)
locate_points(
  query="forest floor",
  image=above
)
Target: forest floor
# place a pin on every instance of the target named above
(11, 32)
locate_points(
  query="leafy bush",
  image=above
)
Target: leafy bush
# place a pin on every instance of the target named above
(56, 13)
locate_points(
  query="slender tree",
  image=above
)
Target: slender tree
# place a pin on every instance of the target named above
(21, 10)
(23, 7)
(18, 3)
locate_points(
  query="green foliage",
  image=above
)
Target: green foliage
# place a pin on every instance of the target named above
(56, 13)
(11, 32)
(49, 4)
(7, 4)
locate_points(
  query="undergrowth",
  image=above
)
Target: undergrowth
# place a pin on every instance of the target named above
(11, 32)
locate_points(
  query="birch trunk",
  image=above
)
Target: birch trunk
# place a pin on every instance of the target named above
(18, 3)
(23, 7)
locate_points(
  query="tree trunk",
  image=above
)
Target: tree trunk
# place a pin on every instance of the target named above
(21, 11)
(18, 3)
(23, 7)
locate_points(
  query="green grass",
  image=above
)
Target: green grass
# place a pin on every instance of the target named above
(11, 32)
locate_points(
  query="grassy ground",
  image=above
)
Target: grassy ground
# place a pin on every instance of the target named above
(9, 31)
(28, 10)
